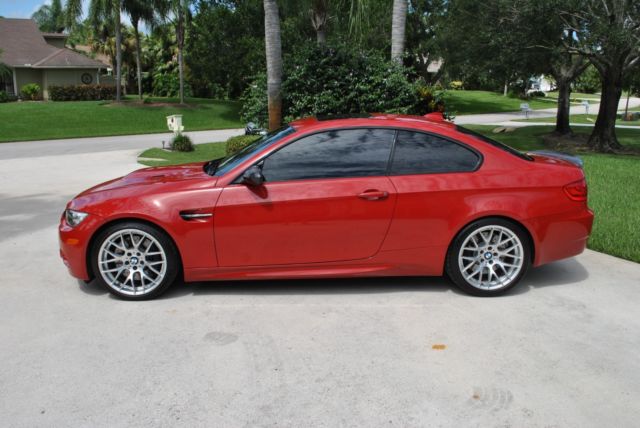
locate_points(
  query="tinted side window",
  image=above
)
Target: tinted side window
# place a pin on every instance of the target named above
(332, 154)
(418, 153)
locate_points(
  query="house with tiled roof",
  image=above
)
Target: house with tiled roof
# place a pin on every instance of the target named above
(42, 58)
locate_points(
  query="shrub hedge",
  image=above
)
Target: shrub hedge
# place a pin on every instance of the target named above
(235, 144)
(182, 143)
(82, 92)
(323, 80)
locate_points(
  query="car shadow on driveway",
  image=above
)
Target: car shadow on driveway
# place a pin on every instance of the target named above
(555, 274)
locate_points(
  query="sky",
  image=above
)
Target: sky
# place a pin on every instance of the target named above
(25, 8)
(20, 8)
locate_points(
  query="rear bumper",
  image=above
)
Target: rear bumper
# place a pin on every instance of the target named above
(560, 236)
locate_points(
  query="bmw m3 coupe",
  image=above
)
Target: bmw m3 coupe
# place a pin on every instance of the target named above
(380, 195)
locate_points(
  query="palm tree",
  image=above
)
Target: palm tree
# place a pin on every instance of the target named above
(101, 11)
(398, 23)
(50, 17)
(274, 63)
(319, 16)
(140, 11)
(181, 12)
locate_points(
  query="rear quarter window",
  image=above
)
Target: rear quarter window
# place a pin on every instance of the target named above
(421, 153)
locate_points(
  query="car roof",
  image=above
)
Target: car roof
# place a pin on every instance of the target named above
(435, 121)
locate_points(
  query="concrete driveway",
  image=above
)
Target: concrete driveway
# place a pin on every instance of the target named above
(561, 351)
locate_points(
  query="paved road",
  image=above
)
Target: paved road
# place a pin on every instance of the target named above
(502, 118)
(561, 351)
(105, 144)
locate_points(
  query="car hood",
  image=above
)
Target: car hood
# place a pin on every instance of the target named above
(154, 175)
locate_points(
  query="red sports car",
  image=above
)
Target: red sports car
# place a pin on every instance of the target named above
(381, 195)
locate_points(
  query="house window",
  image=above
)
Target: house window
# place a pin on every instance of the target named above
(6, 84)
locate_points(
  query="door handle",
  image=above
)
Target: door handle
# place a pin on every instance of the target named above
(373, 195)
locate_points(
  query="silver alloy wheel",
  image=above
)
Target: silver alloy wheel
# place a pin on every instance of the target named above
(491, 257)
(132, 262)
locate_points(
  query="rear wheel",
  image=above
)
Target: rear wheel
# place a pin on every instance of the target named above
(489, 257)
(134, 261)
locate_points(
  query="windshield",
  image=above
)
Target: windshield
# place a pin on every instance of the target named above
(494, 143)
(224, 165)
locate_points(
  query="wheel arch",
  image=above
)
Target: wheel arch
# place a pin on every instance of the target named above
(119, 220)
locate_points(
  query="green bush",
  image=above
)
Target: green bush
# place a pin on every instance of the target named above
(166, 83)
(31, 91)
(588, 82)
(323, 80)
(4, 97)
(456, 85)
(254, 101)
(430, 99)
(235, 144)
(82, 92)
(182, 143)
(540, 94)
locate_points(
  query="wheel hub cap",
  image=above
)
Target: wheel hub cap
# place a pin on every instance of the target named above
(132, 262)
(491, 257)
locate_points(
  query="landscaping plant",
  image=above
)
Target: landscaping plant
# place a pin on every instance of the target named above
(182, 143)
(235, 144)
(31, 91)
(323, 80)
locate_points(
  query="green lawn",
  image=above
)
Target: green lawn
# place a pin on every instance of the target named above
(48, 120)
(203, 152)
(614, 189)
(475, 102)
(580, 118)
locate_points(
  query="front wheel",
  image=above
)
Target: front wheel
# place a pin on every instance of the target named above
(489, 257)
(134, 261)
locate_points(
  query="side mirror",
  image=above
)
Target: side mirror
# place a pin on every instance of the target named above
(253, 176)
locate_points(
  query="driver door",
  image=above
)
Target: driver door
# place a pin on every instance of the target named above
(326, 198)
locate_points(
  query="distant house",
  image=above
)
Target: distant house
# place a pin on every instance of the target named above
(42, 58)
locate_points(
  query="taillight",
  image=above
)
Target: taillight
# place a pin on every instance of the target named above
(577, 191)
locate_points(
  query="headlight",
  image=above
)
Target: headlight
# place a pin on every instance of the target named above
(74, 218)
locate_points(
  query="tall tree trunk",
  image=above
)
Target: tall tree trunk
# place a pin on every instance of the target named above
(321, 37)
(118, 51)
(603, 138)
(562, 117)
(180, 37)
(505, 92)
(626, 105)
(274, 62)
(134, 22)
(319, 20)
(181, 74)
(398, 24)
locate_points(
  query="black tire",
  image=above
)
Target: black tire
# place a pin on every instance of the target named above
(172, 260)
(454, 271)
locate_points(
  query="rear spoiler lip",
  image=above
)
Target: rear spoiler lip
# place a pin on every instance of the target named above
(559, 155)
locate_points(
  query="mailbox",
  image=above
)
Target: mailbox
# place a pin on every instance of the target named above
(174, 123)
(585, 104)
(524, 107)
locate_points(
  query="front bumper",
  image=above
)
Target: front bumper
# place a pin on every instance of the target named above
(74, 244)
